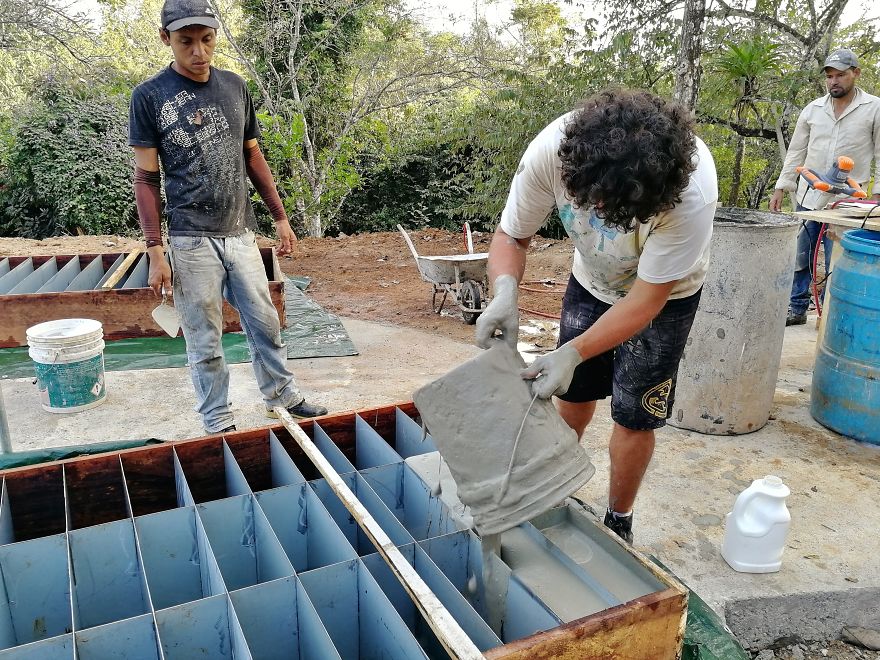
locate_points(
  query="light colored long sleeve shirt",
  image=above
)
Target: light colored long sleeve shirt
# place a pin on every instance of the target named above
(820, 138)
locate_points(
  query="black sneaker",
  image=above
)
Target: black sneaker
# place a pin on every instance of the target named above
(620, 525)
(795, 319)
(302, 410)
(228, 429)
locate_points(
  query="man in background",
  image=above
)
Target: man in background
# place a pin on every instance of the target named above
(199, 123)
(844, 122)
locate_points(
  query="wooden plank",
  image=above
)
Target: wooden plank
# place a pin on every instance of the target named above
(843, 218)
(120, 272)
(448, 631)
(646, 628)
(109, 268)
(138, 277)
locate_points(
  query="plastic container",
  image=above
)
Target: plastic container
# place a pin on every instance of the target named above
(727, 375)
(755, 531)
(68, 357)
(845, 395)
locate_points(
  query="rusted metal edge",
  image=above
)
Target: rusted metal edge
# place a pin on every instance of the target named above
(566, 641)
(449, 633)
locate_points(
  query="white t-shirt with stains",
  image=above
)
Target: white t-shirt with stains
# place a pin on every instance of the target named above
(672, 245)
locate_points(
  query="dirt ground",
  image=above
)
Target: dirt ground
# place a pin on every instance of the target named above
(371, 277)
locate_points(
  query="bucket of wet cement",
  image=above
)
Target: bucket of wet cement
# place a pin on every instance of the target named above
(476, 413)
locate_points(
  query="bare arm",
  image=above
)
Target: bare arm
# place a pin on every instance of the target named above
(625, 318)
(507, 255)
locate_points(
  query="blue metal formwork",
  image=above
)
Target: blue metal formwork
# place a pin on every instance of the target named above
(234, 547)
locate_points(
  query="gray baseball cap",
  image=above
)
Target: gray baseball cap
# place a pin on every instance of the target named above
(842, 59)
(178, 14)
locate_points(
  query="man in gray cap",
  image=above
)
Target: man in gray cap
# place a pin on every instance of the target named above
(199, 123)
(844, 122)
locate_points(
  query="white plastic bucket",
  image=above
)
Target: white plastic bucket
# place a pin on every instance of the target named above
(68, 357)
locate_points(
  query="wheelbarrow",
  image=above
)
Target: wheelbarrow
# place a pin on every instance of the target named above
(462, 275)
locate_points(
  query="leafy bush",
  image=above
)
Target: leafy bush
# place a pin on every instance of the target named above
(67, 167)
(417, 190)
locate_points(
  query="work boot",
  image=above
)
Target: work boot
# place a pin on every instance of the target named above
(302, 410)
(620, 525)
(795, 319)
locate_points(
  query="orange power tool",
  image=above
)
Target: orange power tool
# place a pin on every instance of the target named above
(836, 181)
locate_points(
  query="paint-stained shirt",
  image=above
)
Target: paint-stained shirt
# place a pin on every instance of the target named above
(672, 245)
(199, 129)
(820, 138)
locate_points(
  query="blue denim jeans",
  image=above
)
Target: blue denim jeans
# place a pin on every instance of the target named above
(801, 291)
(206, 270)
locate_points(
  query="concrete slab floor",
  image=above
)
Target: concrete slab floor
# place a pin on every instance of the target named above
(690, 486)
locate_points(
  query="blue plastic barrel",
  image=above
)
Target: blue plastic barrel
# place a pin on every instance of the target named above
(846, 381)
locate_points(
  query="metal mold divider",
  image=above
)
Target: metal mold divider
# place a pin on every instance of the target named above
(232, 548)
(78, 274)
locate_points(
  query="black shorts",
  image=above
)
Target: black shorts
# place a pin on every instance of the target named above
(640, 374)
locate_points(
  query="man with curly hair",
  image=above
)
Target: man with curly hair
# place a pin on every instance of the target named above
(636, 191)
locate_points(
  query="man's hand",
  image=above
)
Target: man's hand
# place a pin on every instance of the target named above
(777, 199)
(160, 271)
(556, 369)
(501, 314)
(286, 238)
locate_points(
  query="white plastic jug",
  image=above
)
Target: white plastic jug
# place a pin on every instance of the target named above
(755, 531)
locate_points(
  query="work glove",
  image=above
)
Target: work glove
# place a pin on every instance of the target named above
(552, 373)
(501, 314)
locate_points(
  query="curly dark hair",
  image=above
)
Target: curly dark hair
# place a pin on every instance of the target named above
(629, 154)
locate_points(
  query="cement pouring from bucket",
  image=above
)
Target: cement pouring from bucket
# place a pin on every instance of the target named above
(68, 357)
(511, 455)
(166, 316)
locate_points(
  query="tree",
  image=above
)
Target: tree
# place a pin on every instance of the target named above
(330, 75)
(745, 66)
(68, 167)
(689, 71)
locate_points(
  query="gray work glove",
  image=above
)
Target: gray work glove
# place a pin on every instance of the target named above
(501, 314)
(552, 373)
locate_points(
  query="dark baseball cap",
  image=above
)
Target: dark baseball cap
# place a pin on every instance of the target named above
(842, 59)
(178, 14)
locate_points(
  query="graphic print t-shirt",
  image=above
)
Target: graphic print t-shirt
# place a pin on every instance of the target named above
(199, 129)
(672, 245)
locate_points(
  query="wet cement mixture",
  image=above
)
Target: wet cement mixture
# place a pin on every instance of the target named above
(511, 455)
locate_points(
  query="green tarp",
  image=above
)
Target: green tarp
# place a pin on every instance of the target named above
(706, 637)
(310, 332)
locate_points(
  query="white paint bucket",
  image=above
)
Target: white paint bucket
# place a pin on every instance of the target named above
(68, 357)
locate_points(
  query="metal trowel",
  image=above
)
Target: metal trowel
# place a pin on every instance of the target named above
(166, 316)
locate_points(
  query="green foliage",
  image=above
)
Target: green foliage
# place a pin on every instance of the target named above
(416, 190)
(67, 167)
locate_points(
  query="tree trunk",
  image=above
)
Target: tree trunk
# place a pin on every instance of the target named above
(687, 74)
(736, 174)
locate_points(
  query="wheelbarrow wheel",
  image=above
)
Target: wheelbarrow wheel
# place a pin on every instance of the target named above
(471, 298)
